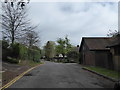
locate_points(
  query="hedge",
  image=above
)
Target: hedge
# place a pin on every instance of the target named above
(23, 52)
(28, 53)
(12, 60)
(34, 55)
(5, 50)
(18, 51)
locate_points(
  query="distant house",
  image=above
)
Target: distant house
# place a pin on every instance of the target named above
(93, 52)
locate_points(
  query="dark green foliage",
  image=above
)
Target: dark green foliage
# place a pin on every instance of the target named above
(4, 54)
(4, 44)
(49, 50)
(73, 56)
(5, 50)
(17, 51)
(23, 52)
(29, 53)
(14, 49)
(10, 53)
(12, 60)
(60, 48)
(34, 55)
(64, 46)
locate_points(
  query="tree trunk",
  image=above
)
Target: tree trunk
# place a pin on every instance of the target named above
(13, 37)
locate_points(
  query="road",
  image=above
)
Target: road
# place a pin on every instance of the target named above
(61, 75)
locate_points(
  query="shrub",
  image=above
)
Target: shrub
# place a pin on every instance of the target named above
(72, 56)
(23, 52)
(19, 51)
(14, 49)
(12, 60)
(5, 50)
(4, 44)
(34, 55)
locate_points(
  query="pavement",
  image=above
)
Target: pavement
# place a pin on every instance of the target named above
(10, 71)
(61, 75)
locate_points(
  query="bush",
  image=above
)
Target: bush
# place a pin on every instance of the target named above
(34, 55)
(72, 56)
(12, 60)
(4, 44)
(4, 54)
(5, 50)
(19, 51)
(14, 49)
(23, 52)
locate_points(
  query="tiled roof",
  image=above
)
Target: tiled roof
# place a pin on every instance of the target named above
(97, 43)
(115, 42)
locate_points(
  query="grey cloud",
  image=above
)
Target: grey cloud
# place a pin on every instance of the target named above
(73, 19)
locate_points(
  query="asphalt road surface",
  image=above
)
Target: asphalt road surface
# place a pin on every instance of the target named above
(61, 75)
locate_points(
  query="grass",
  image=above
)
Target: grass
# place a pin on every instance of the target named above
(30, 63)
(106, 72)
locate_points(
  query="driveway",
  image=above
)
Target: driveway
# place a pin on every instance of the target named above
(61, 75)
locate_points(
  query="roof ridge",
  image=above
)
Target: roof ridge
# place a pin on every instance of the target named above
(96, 37)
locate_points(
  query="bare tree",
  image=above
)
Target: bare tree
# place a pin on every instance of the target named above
(14, 21)
(31, 39)
(113, 33)
(22, 3)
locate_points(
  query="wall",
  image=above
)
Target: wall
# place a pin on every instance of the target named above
(116, 58)
(103, 59)
(116, 62)
(90, 58)
(86, 56)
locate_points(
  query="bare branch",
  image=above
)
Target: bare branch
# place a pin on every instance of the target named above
(14, 20)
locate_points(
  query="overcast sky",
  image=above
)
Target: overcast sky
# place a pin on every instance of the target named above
(77, 20)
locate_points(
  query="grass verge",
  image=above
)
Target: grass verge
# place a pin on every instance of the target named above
(106, 72)
(30, 63)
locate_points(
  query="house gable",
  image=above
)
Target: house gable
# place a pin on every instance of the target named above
(93, 51)
(83, 46)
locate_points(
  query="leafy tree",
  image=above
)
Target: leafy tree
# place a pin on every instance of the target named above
(17, 28)
(49, 49)
(68, 46)
(73, 54)
(63, 46)
(60, 48)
